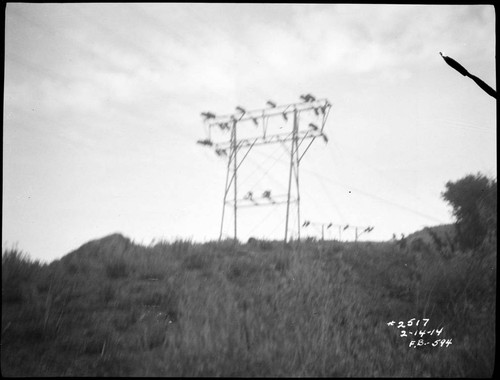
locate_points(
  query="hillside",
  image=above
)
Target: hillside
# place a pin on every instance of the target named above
(444, 232)
(115, 308)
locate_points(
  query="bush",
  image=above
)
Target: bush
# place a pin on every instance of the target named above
(474, 202)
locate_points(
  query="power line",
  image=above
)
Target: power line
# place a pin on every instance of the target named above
(265, 172)
(375, 197)
(369, 195)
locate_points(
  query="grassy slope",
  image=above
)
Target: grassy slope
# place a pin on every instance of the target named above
(182, 309)
(445, 233)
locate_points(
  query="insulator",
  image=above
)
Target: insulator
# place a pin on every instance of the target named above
(220, 152)
(208, 115)
(205, 142)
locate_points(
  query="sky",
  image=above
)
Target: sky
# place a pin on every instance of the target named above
(102, 108)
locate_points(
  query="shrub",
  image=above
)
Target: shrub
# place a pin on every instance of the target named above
(474, 202)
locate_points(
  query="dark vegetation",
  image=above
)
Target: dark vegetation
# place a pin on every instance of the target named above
(115, 308)
(474, 202)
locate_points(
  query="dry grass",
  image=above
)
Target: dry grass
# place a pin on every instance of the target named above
(216, 309)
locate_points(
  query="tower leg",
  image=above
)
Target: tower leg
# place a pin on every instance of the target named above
(292, 159)
(297, 159)
(235, 169)
(226, 190)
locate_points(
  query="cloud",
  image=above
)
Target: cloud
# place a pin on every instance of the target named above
(105, 99)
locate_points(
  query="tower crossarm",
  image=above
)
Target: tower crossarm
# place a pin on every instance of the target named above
(321, 105)
(277, 138)
(261, 201)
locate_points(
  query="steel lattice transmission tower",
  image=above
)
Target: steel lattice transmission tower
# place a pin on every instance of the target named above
(292, 140)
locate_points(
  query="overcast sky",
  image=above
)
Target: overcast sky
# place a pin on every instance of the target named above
(102, 108)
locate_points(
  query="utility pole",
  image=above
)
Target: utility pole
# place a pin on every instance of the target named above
(308, 223)
(364, 230)
(260, 118)
(341, 227)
